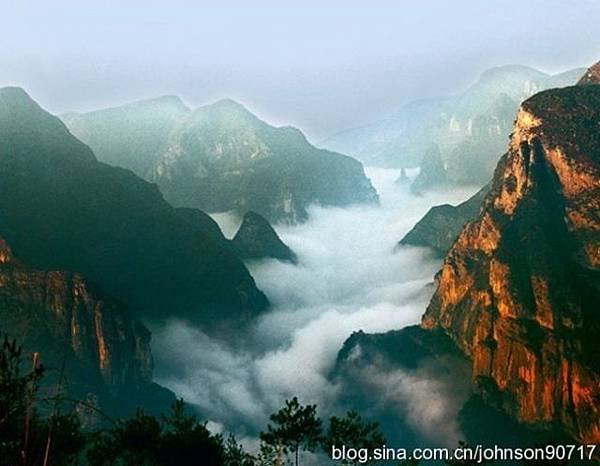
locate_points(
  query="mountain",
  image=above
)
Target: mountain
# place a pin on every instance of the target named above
(517, 294)
(221, 157)
(256, 239)
(519, 289)
(77, 329)
(61, 209)
(471, 129)
(432, 173)
(138, 131)
(440, 226)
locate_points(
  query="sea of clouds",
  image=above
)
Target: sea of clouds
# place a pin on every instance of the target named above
(350, 277)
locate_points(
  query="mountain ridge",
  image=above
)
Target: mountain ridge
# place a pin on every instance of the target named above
(221, 157)
(63, 209)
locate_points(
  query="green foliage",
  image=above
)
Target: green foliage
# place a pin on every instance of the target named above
(234, 454)
(176, 439)
(143, 440)
(25, 438)
(353, 432)
(294, 427)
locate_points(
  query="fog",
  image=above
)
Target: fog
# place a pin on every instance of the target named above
(301, 61)
(350, 277)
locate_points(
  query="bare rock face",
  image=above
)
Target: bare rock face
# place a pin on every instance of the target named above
(591, 76)
(519, 289)
(70, 322)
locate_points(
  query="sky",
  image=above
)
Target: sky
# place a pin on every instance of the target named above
(323, 66)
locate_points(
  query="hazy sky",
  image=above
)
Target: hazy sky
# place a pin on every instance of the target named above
(321, 65)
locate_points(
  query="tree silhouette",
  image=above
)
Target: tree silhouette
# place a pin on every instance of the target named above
(353, 432)
(234, 454)
(294, 427)
(179, 440)
(24, 436)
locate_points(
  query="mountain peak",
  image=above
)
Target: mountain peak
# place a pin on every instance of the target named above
(257, 239)
(170, 101)
(591, 76)
(228, 107)
(13, 99)
(509, 70)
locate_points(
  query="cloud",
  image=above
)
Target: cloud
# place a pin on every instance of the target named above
(349, 278)
(427, 399)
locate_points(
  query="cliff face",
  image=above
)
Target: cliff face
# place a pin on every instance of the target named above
(519, 289)
(67, 320)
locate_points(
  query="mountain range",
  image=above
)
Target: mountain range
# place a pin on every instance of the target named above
(221, 157)
(471, 129)
(62, 209)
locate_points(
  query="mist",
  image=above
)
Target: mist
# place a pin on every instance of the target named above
(350, 277)
(294, 63)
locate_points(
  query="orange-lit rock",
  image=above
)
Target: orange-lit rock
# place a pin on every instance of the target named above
(519, 291)
(61, 315)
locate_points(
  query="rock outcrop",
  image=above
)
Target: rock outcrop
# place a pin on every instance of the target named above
(440, 226)
(257, 239)
(432, 172)
(79, 330)
(591, 76)
(221, 157)
(519, 289)
(61, 209)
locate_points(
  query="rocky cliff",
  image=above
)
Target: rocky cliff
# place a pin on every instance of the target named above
(222, 157)
(61, 209)
(257, 239)
(519, 289)
(79, 329)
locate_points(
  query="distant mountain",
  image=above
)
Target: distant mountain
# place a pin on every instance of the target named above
(62, 209)
(519, 289)
(78, 329)
(256, 239)
(222, 157)
(471, 129)
(138, 131)
(440, 226)
(432, 173)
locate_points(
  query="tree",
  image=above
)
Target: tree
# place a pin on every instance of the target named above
(352, 431)
(294, 427)
(26, 438)
(234, 454)
(179, 440)
(185, 440)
